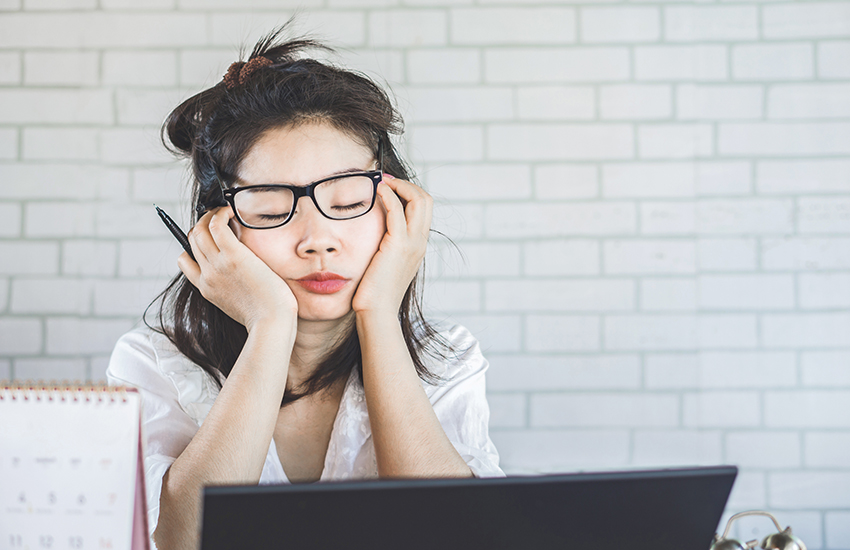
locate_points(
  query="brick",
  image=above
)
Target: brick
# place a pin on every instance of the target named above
(407, 28)
(521, 220)
(55, 106)
(51, 296)
(746, 292)
(480, 181)
(10, 68)
(59, 219)
(649, 256)
(676, 447)
(29, 258)
(495, 333)
(443, 66)
(564, 372)
(102, 30)
(61, 68)
(88, 257)
(824, 290)
(4, 298)
(748, 493)
(380, 65)
(603, 410)
(825, 368)
(20, 336)
(806, 253)
(161, 184)
(747, 369)
(129, 68)
(562, 333)
(131, 5)
(826, 449)
(60, 181)
(133, 146)
(460, 104)
(5, 369)
(551, 65)
(723, 178)
(443, 296)
(507, 410)
(560, 295)
(561, 257)
(534, 451)
(779, 139)
(814, 20)
(200, 68)
(772, 449)
(620, 24)
(459, 221)
(745, 216)
(98, 368)
(556, 103)
(671, 370)
(10, 220)
(823, 215)
(772, 62)
(663, 179)
(722, 331)
(668, 294)
(806, 330)
(635, 102)
(566, 181)
(803, 176)
(719, 102)
(128, 220)
(726, 254)
(61, 144)
(706, 24)
(148, 107)
(701, 63)
(679, 141)
(8, 143)
(527, 25)
(84, 335)
(808, 101)
(446, 143)
(559, 141)
(649, 332)
(364, 3)
(810, 490)
(50, 369)
(837, 526)
(832, 59)
(667, 218)
(33, 5)
(228, 28)
(485, 259)
(148, 258)
(718, 409)
(125, 296)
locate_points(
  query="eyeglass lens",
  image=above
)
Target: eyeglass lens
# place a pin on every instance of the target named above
(340, 199)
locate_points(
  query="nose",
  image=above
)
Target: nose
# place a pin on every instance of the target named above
(317, 233)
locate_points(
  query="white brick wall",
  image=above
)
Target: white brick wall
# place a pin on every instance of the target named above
(652, 200)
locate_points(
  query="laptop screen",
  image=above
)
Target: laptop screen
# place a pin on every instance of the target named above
(661, 509)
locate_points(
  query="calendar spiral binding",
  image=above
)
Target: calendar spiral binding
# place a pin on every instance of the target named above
(64, 390)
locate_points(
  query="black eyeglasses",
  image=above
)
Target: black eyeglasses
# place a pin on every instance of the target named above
(339, 197)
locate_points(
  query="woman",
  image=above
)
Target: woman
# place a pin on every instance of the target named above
(292, 348)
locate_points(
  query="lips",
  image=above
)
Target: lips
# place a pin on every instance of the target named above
(323, 282)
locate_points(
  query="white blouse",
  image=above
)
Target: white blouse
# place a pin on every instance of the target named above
(177, 395)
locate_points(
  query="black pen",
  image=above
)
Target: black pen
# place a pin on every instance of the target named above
(175, 230)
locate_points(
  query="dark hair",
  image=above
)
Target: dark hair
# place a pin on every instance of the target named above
(216, 128)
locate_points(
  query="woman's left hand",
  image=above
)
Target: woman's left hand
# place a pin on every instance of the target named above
(401, 250)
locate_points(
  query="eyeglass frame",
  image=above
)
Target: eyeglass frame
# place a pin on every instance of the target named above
(299, 191)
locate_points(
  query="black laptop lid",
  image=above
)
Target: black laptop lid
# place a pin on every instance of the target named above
(652, 510)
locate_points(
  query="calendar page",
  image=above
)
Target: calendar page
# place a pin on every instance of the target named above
(69, 465)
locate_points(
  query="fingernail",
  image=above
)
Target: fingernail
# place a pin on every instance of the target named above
(388, 176)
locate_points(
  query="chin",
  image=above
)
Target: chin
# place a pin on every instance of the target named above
(323, 312)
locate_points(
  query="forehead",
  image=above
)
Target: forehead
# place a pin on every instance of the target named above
(303, 154)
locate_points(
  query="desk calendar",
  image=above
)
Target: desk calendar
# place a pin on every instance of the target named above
(71, 469)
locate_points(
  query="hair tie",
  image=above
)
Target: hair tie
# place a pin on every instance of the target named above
(239, 71)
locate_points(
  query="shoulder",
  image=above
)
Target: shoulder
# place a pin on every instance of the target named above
(462, 357)
(142, 348)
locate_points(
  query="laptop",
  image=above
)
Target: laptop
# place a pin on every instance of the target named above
(676, 509)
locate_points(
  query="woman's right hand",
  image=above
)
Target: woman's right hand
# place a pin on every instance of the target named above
(232, 277)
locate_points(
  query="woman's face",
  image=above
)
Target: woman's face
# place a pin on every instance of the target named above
(311, 243)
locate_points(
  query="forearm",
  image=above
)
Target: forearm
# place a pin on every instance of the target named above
(409, 440)
(232, 443)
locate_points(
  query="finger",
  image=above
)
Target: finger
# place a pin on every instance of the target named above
(396, 222)
(189, 267)
(200, 238)
(418, 207)
(220, 230)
